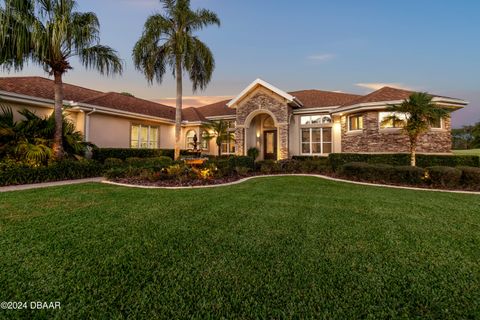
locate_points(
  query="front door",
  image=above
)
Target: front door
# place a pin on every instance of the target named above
(270, 145)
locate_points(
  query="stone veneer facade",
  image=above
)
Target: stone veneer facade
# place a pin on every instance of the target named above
(374, 139)
(261, 100)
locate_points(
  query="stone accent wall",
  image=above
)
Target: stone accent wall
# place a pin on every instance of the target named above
(261, 100)
(372, 139)
(239, 141)
(282, 132)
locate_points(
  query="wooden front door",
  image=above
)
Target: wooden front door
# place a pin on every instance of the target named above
(270, 145)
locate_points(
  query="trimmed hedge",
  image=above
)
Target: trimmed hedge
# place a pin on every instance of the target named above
(337, 160)
(58, 171)
(100, 154)
(446, 177)
(436, 176)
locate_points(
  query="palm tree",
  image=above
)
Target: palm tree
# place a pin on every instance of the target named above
(218, 130)
(168, 41)
(420, 113)
(49, 33)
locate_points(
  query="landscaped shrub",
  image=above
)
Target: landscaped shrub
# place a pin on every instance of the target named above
(269, 166)
(470, 177)
(57, 171)
(382, 173)
(242, 171)
(101, 154)
(157, 162)
(440, 176)
(402, 159)
(290, 166)
(407, 174)
(113, 162)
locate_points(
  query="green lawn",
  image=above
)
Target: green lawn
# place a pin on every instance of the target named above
(471, 152)
(279, 247)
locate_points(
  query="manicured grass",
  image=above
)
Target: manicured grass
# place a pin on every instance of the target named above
(471, 152)
(281, 247)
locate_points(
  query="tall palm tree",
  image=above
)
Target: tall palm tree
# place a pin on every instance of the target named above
(218, 130)
(49, 33)
(420, 113)
(168, 40)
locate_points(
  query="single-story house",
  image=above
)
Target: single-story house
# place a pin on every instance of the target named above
(280, 124)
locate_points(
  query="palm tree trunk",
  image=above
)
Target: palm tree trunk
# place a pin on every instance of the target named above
(413, 156)
(57, 138)
(178, 111)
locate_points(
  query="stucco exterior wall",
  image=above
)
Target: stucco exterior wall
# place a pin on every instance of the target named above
(374, 139)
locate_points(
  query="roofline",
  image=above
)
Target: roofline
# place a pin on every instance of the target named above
(81, 106)
(362, 106)
(267, 85)
(316, 109)
(229, 117)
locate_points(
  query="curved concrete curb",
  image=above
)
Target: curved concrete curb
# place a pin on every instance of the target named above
(289, 175)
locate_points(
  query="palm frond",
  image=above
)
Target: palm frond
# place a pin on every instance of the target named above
(102, 58)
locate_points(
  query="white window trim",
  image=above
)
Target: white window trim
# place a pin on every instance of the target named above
(228, 143)
(442, 126)
(140, 126)
(187, 146)
(309, 125)
(310, 141)
(348, 123)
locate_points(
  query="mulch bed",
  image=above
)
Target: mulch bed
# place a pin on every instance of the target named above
(229, 179)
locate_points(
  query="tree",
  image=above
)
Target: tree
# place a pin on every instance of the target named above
(49, 33)
(168, 41)
(420, 113)
(467, 137)
(218, 130)
(30, 140)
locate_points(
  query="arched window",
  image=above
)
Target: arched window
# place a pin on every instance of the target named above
(269, 123)
(189, 139)
(205, 141)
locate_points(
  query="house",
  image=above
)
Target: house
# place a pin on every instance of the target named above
(280, 124)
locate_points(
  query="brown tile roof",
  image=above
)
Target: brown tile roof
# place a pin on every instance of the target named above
(123, 102)
(319, 98)
(217, 109)
(383, 94)
(43, 88)
(192, 114)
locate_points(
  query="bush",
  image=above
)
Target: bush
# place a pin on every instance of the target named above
(382, 173)
(113, 163)
(154, 163)
(337, 160)
(242, 171)
(407, 174)
(253, 153)
(470, 177)
(440, 176)
(100, 154)
(290, 166)
(57, 171)
(226, 164)
(269, 166)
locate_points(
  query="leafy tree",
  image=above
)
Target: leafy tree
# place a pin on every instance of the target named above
(218, 130)
(467, 137)
(420, 113)
(168, 40)
(49, 33)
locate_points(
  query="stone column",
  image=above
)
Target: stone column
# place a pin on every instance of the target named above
(283, 141)
(239, 141)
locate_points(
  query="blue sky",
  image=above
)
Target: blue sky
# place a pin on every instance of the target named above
(347, 45)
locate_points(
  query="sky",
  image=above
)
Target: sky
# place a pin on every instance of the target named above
(343, 45)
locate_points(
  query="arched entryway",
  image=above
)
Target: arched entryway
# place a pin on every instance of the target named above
(261, 132)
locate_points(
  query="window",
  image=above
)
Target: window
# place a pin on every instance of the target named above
(317, 119)
(228, 147)
(189, 139)
(230, 123)
(391, 120)
(145, 137)
(437, 124)
(355, 122)
(205, 141)
(316, 140)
